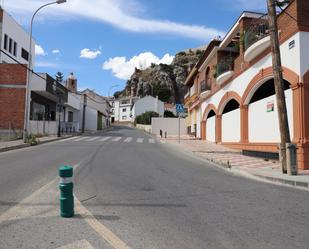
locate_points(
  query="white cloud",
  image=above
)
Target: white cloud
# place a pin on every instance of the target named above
(119, 13)
(39, 50)
(56, 51)
(123, 68)
(89, 54)
(46, 64)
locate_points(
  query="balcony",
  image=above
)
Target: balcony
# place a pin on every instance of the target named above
(224, 70)
(256, 39)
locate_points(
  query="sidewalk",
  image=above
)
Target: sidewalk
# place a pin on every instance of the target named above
(267, 169)
(18, 144)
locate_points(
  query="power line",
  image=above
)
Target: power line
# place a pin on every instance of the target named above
(40, 76)
(283, 10)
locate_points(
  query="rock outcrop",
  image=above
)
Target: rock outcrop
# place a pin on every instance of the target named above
(166, 81)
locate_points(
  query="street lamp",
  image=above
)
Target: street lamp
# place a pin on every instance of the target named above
(30, 70)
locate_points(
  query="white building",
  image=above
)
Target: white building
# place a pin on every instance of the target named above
(231, 98)
(14, 41)
(97, 110)
(147, 104)
(121, 110)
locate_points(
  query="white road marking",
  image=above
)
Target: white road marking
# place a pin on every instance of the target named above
(104, 139)
(116, 139)
(80, 244)
(92, 139)
(128, 139)
(80, 139)
(13, 212)
(140, 140)
(98, 226)
(151, 141)
(67, 139)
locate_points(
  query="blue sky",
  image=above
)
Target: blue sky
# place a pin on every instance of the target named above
(101, 41)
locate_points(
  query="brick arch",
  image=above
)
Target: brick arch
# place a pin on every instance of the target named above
(228, 96)
(306, 77)
(208, 109)
(266, 74)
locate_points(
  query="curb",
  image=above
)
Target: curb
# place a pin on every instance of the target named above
(270, 179)
(284, 181)
(25, 145)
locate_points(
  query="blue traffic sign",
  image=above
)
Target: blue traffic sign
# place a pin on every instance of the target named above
(180, 108)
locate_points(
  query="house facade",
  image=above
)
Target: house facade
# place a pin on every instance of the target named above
(121, 109)
(147, 104)
(96, 109)
(14, 56)
(14, 41)
(231, 98)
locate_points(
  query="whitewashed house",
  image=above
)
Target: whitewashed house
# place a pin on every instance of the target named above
(147, 104)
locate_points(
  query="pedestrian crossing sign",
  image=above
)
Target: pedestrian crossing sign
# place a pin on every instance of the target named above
(180, 108)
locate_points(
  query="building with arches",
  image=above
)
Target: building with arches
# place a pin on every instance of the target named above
(231, 98)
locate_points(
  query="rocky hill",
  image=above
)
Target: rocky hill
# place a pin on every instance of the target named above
(165, 81)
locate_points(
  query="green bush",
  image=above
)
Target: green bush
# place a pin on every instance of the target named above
(169, 114)
(145, 118)
(32, 140)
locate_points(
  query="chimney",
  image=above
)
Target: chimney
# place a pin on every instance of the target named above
(71, 83)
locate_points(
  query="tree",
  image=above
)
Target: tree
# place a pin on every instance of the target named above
(145, 118)
(169, 114)
(163, 92)
(59, 77)
(117, 94)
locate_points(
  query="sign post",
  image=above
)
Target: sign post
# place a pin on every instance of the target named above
(179, 109)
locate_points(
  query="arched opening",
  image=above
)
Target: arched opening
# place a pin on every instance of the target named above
(211, 126)
(231, 121)
(263, 124)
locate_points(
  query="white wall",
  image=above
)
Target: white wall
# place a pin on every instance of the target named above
(211, 129)
(231, 126)
(146, 104)
(43, 127)
(263, 125)
(291, 58)
(169, 125)
(18, 34)
(304, 55)
(91, 119)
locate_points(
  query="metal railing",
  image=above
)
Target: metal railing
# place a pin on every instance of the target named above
(204, 86)
(257, 31)
(69, 127)
(224, 66)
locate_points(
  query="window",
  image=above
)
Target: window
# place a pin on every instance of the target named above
(70, 116)
(10, 45)
(24, 54)
(15, 49)
(5, 44)
(124, 102)
(124, 109)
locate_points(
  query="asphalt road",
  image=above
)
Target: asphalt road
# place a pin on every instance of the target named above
(152, 195)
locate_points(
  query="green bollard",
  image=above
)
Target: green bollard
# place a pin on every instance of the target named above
(66, 191)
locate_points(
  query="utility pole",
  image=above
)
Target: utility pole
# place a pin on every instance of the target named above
(279, 84)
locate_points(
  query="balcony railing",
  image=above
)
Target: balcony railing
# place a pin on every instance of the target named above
(204, 86)
(224, 66)
(257, 31)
